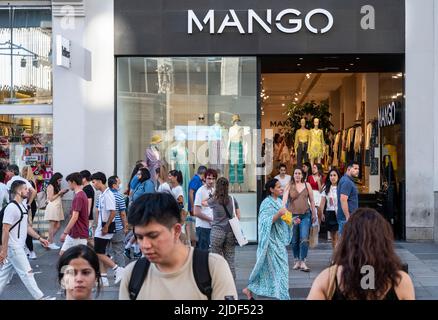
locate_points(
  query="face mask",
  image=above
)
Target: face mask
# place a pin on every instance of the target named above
(120, 187)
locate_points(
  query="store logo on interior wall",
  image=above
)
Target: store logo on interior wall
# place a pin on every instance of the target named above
(389, 114)
(280, 124)
(291, 25)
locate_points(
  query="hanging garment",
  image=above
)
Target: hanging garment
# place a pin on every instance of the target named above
(368, 135)
(236, 163)
(335, 162)
(358, 136)
(344, 147)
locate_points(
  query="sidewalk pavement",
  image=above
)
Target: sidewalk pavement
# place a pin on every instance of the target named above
(422, 260)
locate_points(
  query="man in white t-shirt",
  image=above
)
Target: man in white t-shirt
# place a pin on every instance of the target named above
(283, 177)
(204, 214)
(14, 232)
(15, 171)
(171, 275)
(106, 207)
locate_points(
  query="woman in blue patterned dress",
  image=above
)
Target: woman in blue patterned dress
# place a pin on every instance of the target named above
(270, 276)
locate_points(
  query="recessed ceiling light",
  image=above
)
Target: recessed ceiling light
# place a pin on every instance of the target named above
(347, 69)
(351, 64)
(357, 58)
(283, 105)
(298, 64)
(301, 58)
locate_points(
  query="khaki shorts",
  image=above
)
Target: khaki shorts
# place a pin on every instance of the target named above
(71, 242)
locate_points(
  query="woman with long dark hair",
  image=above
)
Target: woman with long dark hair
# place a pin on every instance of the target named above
(367, 244)
(174, 186)
(78, 273)
(145, 184)
(298, 199)
(329, 204)
(54, 212)
(133, 180)
(270, 276)
(224, 207)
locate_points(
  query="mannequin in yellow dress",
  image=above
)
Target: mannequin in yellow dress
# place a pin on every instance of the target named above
(301, 143)
(316, 143)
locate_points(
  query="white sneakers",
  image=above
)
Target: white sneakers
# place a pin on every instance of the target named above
(48, 298)
(32, 255)
(53, 246)
(118, 275)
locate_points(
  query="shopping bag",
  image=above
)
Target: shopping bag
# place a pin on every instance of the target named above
(235, 227)
(314, 234)
(238, 232)
(41, 200)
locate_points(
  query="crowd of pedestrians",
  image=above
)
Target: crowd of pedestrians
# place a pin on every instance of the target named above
(184, 248)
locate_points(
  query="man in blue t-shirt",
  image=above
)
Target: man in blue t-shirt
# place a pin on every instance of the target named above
(348, 196)
(196, 182)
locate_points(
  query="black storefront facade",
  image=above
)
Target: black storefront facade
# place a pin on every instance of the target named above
(186, 69)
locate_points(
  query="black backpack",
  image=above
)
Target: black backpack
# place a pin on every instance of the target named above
(201, 272)
(18, 223)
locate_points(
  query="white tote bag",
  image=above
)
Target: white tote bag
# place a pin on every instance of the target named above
(237, 230)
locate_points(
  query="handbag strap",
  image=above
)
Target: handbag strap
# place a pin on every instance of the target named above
(226, 210)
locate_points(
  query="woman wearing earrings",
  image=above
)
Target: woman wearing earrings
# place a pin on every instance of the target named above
(78, 273)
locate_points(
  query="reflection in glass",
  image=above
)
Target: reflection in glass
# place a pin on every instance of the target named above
(203, 108)
(25, 55)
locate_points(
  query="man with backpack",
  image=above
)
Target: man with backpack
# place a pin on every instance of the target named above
(170, 270)
(15, 228)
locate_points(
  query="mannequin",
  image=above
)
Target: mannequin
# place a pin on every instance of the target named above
(152, 157)
(179, 161)
(301, 143)
(316, 143)
(216, 145)
(235, 148)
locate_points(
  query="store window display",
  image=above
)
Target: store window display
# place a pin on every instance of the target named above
(27, 141)
(206, 115)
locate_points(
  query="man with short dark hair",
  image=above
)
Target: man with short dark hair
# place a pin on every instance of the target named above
(15, 172)
(204, 214)
(76, 231)
(118, 239)
(348, 196)
(283, 177)
(194, 185)
(106, 207)
(157, 225)
(14, 232)
(89, 191)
